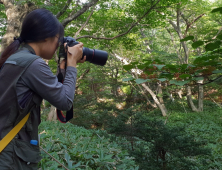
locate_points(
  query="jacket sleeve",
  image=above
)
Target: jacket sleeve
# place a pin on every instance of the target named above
(39, 78)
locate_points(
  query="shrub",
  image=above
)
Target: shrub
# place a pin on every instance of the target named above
(78, 148)
(156, 145)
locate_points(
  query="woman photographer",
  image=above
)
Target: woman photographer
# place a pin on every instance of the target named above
(25, 79)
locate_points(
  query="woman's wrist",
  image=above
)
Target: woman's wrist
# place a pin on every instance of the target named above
(73, 64)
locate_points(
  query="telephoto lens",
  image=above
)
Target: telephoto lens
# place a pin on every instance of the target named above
(94, 56)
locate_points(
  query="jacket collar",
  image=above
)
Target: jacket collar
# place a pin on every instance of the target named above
(29, 48)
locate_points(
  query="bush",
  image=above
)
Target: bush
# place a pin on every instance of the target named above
(78, 148)
(156, 145)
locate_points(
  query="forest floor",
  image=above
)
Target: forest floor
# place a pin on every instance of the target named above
(206, 125)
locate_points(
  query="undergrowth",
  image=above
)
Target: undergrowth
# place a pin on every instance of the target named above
(203, 127)
(78, 148)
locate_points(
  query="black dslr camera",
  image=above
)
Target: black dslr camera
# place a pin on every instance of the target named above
(97, 57)
(94, 56)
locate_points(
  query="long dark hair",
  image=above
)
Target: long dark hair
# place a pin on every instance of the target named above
(37, 25)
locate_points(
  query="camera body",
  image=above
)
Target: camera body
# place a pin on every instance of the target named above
(94, 56)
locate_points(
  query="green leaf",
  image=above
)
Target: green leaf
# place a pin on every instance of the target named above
(187, 38)
(197, 44)
(217, 71)
(159, 66)
(217, 10)
(179, 83)
(139, 81)
(212, 46)
(128, 79)
(190, 65)
(67, 157)
(218, 51)
(159, 95)
(172, 68)
(198, 78)
(184, 66)
(134, 63)
(107, 167)
(76, 165)
(128, 67)
(70, 164)
(162, 79)
(219, 37)
(183, 76)
(108, 157)
(141, 67)
(167, 75)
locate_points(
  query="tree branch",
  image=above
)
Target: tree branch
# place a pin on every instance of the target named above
(189, 24)
(78, 13)
(60, 13)
(73, 11)
(164, 7)
(77, 33)
(217, 33)
(174, 26)
(172, 39)
(197, 18)
(178, 30)
(132, 25)
(178, 18)
(184, 18)
(82, 76)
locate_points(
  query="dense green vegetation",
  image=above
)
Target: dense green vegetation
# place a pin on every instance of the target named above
(192, 140)
(156, 104)
(78, 148)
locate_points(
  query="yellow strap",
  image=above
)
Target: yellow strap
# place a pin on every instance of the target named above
(5, 141)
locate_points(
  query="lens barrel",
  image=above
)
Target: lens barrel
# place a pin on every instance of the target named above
(94, 56)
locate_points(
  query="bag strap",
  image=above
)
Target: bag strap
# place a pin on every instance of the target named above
(5, 141)
(69, 114)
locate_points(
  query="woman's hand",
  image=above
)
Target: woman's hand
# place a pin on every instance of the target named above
(74, 55)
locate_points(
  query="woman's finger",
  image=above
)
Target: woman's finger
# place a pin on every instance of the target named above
(83, 60)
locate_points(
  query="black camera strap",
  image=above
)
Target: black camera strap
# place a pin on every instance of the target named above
(69, 114)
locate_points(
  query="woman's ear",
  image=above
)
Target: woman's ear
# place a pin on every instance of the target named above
(49, 39)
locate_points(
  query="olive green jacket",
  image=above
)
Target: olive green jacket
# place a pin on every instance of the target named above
(19, 154)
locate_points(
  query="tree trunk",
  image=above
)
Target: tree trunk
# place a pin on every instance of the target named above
(175, 47)
(200, 96)
(186, 57)
(160, 96)
(114, 88)
(135, 73)
(159, 105)
(147, 99)
(52, 114)
(180, 92)
(189, 99)
(43, 103)
(15, 15)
